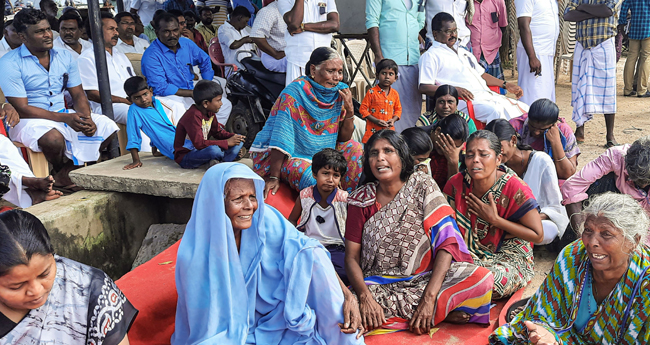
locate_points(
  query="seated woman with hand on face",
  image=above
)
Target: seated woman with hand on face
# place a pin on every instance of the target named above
(48, 299)
(496, 213)
(445, 103)
(246, 275)
(404, 254)
(597, 291)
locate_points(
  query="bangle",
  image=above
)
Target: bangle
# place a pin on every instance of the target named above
(274, 178)
(504, 84)
(302, 26)
(3, 105)
(561, 159)
(348, 117)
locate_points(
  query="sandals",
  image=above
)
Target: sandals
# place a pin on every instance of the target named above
(69, 189)
(610, 144)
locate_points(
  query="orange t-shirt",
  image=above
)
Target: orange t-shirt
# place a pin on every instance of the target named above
(380, 105)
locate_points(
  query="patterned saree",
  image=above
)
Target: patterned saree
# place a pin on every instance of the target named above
(510, 260)
(621, 318)
(400, 241)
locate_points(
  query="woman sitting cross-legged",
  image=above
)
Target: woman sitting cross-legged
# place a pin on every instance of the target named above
(48, 299)
(312, 113)
(245, 275)
(538, 171)
(597, 291)
(404, 254)
(445, 103)
(496, 213)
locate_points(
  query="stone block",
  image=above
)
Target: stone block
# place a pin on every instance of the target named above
(159, 237)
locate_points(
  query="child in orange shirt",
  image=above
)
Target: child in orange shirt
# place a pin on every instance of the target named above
(381, 107)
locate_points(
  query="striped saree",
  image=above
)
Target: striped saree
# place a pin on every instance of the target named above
(621, 319)
(400, 241)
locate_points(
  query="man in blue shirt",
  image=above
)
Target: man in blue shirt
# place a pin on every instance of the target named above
(639, 37)
(169, 61)
(34, 78)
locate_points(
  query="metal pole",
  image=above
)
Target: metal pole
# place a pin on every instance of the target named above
(97, 35)
(120, 6)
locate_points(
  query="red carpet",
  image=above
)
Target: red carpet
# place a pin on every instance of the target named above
(151, 289)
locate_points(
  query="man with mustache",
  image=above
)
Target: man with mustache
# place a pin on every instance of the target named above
(128, 42)
(168, 65)
(34, 78)
(443, 64)
(206, 28)
(70, 25)
(10, 39)
(119, 70)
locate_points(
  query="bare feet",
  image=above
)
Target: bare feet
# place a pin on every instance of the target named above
(580, 134)
(36, 183)
(62, 177)
(38, 196)
(457, 317)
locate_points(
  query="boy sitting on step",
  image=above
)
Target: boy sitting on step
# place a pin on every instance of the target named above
(323, 208)
(198, 125)
(146, 114)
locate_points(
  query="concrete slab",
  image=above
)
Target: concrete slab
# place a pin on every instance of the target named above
(158, 176)
(159, 237)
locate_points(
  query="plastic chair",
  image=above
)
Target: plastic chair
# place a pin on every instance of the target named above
(216, 55)
(36, 160)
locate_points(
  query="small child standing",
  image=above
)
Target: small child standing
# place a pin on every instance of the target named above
(192, 148)
(381, 107)
(323, 209)
(146, 114)
(420, 147)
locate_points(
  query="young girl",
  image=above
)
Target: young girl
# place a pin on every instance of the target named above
(381, 107)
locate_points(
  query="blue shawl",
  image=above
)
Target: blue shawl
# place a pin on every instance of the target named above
(280, 289)
(304, 120)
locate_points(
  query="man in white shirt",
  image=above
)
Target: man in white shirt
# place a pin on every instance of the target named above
(119, 70)
(457, 9)
(146, 8)
(444, 64)
(10, 39)
(310, 24)
(539, 27)
(268, 34)
(128, 42)
(70, 34)
(234, 36)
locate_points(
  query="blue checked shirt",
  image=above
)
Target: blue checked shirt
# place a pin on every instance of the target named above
(181, 5)
(594, 31)
(640, 18)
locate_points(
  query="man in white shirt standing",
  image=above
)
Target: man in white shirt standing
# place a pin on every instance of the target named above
(146, 8)
(119, 70)
(457, 9)
(70, 35)
(539, 27)
(128, 42)
(268, 35)
(310, 24)
(234, 36)
(444, 63)
(10, 39)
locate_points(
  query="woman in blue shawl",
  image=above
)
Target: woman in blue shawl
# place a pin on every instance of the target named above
(245, 275)
(312, 113)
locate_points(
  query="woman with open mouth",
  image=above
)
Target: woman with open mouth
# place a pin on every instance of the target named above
(597, 291)
(497, 214)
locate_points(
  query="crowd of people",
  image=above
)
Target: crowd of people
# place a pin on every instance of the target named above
(400, 215)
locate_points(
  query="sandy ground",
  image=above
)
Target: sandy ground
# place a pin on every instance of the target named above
(632, 122)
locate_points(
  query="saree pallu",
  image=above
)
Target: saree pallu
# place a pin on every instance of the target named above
(303, 121)
(400, 242)
(509, 260)
(621, 319)
(430, 120)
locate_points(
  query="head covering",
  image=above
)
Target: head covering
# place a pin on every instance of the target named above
(226, 297)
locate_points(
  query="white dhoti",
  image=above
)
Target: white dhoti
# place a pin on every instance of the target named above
(79, 147)
(174, 110)
(274, 65)
(409, 97)
(294, 71)
(490, 106)
(535, 87)
(11, 157)
(222, 115)
(593, 83)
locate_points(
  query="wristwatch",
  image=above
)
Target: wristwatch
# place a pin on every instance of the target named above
(302, 26)
(504, 84)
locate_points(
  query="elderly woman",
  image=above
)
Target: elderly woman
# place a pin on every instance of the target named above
(538, 171)
(496, 213)
(312, 113)
(404, 255)
(47, 299)
(597, 291)
(445, 103)
(621, 169)
(245, 274)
